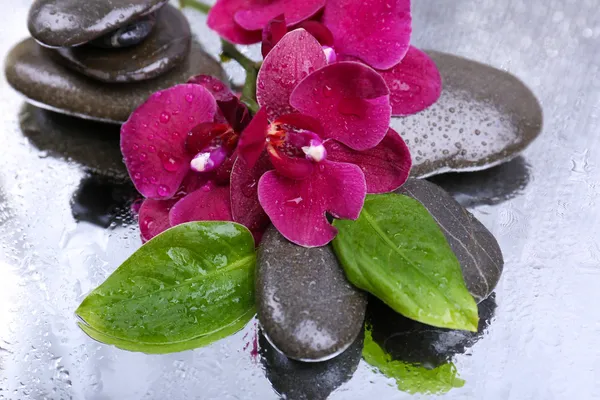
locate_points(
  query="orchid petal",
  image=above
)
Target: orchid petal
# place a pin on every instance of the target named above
(253, 139)
(376, 31)
(221, 19)
(386, 166)
(154, 217)
(350, 100)
(273, 32)
(245, 207)
(153, 139)
(257, 14)
(415, 83)
(210, 203)
(218, 89)
(319, 31)
(297, 208)
(296, 56)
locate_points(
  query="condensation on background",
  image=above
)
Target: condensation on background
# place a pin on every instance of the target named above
(543, 342)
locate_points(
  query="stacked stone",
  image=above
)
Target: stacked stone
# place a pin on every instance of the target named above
(101, 59)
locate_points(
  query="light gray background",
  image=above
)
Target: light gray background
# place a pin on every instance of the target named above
(543, 343)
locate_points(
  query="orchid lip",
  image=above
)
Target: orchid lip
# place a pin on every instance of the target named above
(209, 159)
(330, 54)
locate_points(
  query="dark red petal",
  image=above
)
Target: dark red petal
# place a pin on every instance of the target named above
(319, 31)
(245, 207)
(154, 217)
(257, 14)
(153, 139)
(298, 208)
(386, 166)
(291, 167)
(350, 100)
(252, 141)
(296, 56)
(221, 20)
(209, 203)
(273, 32)
(415, 83)
(376, 31)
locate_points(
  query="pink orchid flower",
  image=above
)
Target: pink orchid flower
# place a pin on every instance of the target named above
(347, 31)
(179, 148)
(325, 128)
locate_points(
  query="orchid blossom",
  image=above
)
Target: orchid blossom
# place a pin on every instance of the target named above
(320, 142)
(179, 148)
(346, 30)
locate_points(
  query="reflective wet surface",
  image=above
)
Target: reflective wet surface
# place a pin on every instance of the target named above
(540, 341)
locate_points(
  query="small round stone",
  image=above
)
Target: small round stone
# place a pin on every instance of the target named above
(306, 306)
(127, 36)
(163, 49)
(31, 70)
(68, 23)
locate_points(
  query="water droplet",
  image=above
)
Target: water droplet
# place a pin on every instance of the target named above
(151, 149)
(163, 190)
(327, 91)
(137, 176)
(170, 163)
(189, 97)
(143, 157)
(164, 117)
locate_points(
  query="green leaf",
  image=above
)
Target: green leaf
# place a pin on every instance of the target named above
(411, 378)
(397, 252)
(189, 286)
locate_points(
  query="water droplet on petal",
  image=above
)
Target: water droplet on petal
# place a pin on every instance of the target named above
(327, 91)
(163, 190)
(164, 117)
(143, 156)
(189, 97)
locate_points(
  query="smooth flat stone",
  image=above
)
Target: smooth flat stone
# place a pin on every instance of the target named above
(306, 306)
(128, 35)
(416, 343)
(475, 247)
(68, 23)
(166, 47)
(296, 380)
(483, 118)
(30, 69)
(93, 145)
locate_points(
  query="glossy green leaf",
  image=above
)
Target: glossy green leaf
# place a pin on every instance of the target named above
(411, 378)
(189, 286)
(396, 251)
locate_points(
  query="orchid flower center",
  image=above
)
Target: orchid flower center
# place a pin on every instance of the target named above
(293, 142)
(210, 144)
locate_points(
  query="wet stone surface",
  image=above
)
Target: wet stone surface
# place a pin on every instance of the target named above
(68, 23)
(296, 380)
(165, 48)
(33, 71)
(475, 247)
(483, 118)
(307, 308)
(128, 35)
(413, 342)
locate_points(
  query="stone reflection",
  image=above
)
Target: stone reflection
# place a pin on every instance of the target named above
(295, 380)
(488, 187)
(416, 343)
(93, 145)
(104, 201)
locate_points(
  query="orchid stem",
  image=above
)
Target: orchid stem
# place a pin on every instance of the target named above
(251, 67)
(196, 5)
